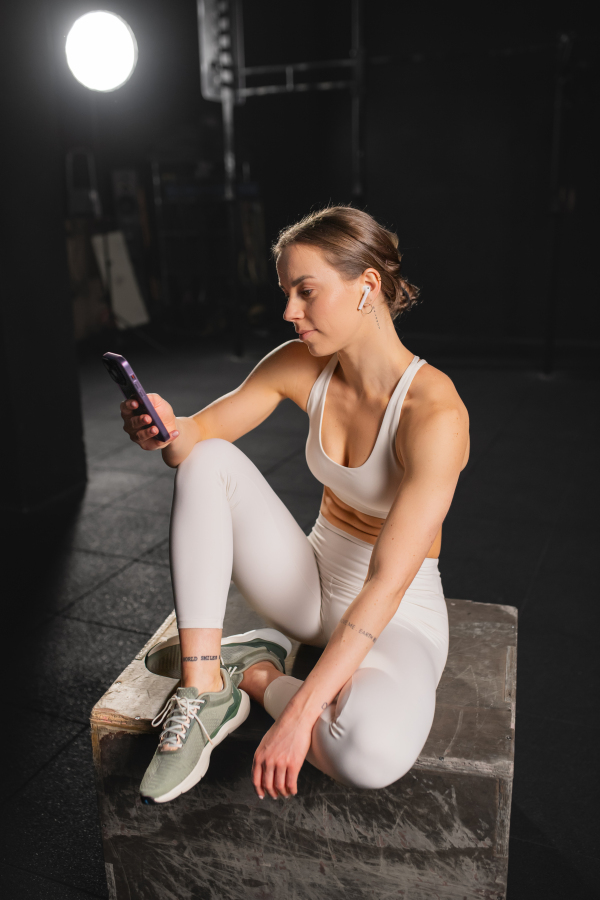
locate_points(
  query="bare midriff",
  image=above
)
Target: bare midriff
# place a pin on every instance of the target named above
(358, 524)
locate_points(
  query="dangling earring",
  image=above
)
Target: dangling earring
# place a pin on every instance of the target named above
(373, 310)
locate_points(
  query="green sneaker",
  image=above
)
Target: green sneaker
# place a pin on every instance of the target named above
(238, 653)
(193, 724)
(165, 658)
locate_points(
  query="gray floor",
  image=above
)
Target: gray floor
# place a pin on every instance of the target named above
(90, 585)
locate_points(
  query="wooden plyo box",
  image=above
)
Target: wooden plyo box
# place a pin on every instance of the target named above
(439, 832)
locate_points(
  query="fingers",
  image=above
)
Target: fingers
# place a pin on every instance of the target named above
(277, 762)
(128, 409)
(263, 780)
(257, 773)
(292, 782)
(140, 421)
(262, 775)
(140, 428)
(274, 780)
(155, 399)
(279, 781)
(148, 438)
(267, 781)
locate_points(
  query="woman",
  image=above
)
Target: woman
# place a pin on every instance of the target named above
(365, 583)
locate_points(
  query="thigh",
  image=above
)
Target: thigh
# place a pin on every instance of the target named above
(375, 731)
(274, 566)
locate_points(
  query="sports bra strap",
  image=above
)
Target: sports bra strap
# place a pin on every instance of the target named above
(315, 398)
(397, 400)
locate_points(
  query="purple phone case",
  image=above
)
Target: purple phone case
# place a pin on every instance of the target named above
(133, 390)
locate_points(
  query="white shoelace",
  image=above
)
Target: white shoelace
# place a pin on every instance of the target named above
(177, 722)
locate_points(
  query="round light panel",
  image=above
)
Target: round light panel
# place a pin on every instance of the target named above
(101, 51)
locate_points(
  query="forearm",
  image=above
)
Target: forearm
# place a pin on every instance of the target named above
(355, 634)
(181, 447)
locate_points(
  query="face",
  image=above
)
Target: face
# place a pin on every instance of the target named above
(322, 307)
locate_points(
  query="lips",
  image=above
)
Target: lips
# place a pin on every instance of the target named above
(302, 334)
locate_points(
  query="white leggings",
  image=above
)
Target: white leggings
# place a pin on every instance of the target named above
(228, 523)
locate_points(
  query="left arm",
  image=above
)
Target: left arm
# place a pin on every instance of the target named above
(433, 442)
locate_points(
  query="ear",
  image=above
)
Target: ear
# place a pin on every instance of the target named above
(372, 279)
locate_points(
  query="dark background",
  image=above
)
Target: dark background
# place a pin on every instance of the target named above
(458, 141)
(459, 124)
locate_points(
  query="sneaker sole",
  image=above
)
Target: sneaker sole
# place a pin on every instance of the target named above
(267, 634)
(165, 658)
(168, 654)
(199, 770)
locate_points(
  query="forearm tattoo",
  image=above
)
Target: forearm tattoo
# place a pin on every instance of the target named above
(195, 658)
(360, 630)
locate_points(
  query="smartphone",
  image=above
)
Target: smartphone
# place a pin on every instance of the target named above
(120, 371)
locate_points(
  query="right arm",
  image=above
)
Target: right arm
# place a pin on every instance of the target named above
(282, 373)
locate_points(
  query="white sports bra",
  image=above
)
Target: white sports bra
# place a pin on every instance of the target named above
(369, 488)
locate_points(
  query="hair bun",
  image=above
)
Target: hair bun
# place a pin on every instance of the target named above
(394, 239)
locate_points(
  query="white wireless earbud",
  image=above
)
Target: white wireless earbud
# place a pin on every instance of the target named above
(364, 297)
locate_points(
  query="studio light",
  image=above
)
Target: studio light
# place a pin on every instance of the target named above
(101, 51)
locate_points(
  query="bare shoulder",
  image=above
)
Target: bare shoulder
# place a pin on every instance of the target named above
(292, 370)
(432, 390)
(432, 405)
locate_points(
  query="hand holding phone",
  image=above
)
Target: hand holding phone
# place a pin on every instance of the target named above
(140, 414)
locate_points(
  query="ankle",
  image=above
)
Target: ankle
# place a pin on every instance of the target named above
(207, 683)
(257, 679)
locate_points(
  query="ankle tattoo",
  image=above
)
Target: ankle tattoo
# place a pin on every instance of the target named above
(202, 658)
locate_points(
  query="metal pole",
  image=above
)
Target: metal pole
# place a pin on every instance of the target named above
(163, 263)
(358, 105)
(557, 201)
(227, 105)
(101, 177)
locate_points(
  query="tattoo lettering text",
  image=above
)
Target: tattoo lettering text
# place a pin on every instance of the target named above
(367, 634)
(360, 630)
(195, 658)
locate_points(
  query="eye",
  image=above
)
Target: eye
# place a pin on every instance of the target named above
(307, 291)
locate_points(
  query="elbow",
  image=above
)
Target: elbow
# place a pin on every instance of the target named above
(388, 593)
(397, 600)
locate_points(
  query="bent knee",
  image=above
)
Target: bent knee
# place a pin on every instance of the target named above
(374, 768)
(208, 456)
(212, 449)
(368, 759)
(377, 737)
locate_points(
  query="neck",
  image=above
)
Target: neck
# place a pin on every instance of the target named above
(373, 362)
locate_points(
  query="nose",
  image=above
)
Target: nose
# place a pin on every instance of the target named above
(293, 310)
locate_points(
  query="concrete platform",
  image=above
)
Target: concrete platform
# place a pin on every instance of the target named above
(439, 832)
